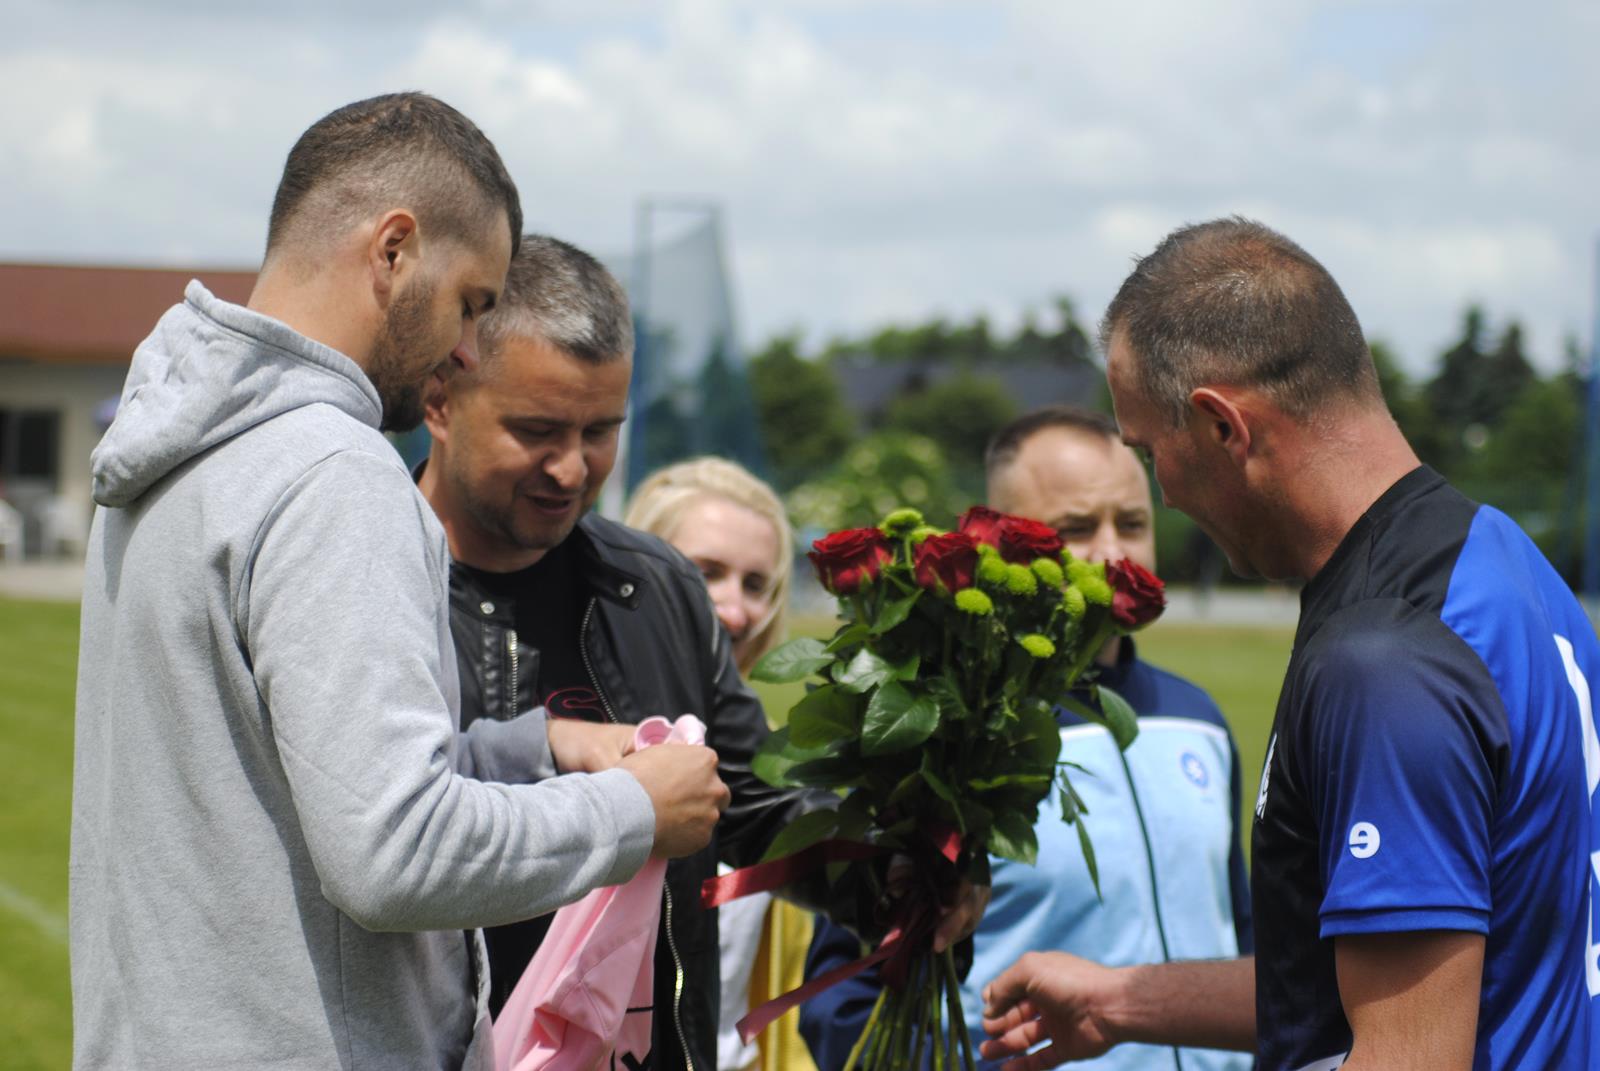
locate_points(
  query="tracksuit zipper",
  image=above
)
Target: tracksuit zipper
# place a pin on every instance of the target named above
(672, 943)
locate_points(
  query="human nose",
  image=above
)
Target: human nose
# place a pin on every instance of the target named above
(568, 467)
(466, 351)
(731, 610)
(1106, 546)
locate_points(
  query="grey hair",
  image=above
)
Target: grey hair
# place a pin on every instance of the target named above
(561, 295)
(1234, 302)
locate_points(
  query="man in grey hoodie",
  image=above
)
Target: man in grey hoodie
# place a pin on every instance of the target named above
(279, 834)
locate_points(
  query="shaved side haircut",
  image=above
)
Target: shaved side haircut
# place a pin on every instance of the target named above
(1234, 302)
(400, 150)
(1006, 444)
(561, 295)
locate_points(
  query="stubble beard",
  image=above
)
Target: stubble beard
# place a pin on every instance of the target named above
(498, 521)
(392, 368)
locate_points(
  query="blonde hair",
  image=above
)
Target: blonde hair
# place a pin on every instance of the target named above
(659, 504)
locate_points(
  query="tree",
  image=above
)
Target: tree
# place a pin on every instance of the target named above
(805, 426)
(960, 414)
(880, 473)
(1454, 396)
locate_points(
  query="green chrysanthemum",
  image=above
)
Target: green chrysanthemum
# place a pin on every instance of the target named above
(987, 550)
(992, 570)
(921, 533)
(1048, 572)
(1091, 580)
(973, 601)
(1038, 646)
(901, 522)
(1020, 580)
(1075, 604)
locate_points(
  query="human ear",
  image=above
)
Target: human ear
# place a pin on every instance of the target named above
(392, 250)
(1221, 421)
(436, 406)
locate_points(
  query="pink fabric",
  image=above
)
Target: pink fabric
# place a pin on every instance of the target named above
(586, 1000)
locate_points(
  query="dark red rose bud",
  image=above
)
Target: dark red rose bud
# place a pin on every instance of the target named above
(846, 560)
(946, 562)
(1022, 540)
(1137, 594)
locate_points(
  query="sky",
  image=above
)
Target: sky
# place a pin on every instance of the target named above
(875, 161)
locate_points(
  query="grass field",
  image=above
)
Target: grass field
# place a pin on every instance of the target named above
(1241, 667)
(37, 673)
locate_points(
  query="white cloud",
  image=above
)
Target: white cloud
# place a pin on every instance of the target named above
(877, 160)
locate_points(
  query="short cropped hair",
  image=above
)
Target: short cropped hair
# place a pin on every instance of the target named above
(1234, 302)
(561, 295)
(405, 150)
(659, 504)
(1006, 444)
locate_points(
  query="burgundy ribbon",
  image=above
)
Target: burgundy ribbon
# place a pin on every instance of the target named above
(916, 917)
(776, 873)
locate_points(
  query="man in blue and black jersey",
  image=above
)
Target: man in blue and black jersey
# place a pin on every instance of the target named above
(1425, 850)
(1164, 815)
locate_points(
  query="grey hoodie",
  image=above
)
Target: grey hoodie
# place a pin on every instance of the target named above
(277, 840)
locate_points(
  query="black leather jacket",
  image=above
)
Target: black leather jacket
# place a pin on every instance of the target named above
(652, 645)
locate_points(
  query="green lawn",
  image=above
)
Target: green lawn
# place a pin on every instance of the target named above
(1241, 667)
(37, 672)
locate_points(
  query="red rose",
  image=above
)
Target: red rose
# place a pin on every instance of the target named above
(982, 524)
(1136, 594)
(846, 560)
(1022, 540)
(946, 562)
(1016, 538)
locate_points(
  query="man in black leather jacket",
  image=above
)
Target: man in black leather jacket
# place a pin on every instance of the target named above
(557, 607)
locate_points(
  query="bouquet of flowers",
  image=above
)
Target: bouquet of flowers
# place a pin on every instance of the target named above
(933, 709)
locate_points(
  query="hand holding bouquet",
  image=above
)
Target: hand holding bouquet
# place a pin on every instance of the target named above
(934, 709)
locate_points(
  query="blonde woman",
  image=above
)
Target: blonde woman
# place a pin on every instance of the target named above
(732, 526)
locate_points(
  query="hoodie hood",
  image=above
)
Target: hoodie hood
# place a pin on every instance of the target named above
(209, 371)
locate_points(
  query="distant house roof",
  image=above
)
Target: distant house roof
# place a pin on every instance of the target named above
(88, 315)
(871, 387)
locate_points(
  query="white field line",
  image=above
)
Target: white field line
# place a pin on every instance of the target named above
(44, 920)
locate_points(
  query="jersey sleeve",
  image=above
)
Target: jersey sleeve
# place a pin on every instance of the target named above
(1397, 759)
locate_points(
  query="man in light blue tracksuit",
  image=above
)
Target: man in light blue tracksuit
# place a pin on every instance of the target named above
(1163, 816)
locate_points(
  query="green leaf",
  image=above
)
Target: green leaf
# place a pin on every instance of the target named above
(825, 716)
(945, 691)
(782, 763)
(1012, 837)
(894, 611)
(1120, 718)
(803, 832)
(1088, 857)
(984, 784)
(935, 782)
(864, 672)
(794, 661)
(907, 670)
(897, 720)
(847, 636)
(1038, 737)
(777, 755)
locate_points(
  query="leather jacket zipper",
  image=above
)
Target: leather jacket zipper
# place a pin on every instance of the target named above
(511, 649)
(672, 942)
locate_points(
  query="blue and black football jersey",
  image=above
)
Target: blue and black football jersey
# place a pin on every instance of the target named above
(1432, 766)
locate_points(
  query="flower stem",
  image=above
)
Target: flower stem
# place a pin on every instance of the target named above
(958, 1021)
(866, 1032)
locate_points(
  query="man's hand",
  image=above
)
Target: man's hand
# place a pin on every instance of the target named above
(1048, 996)
(687, 794)
(962, 915)
(586, 746)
